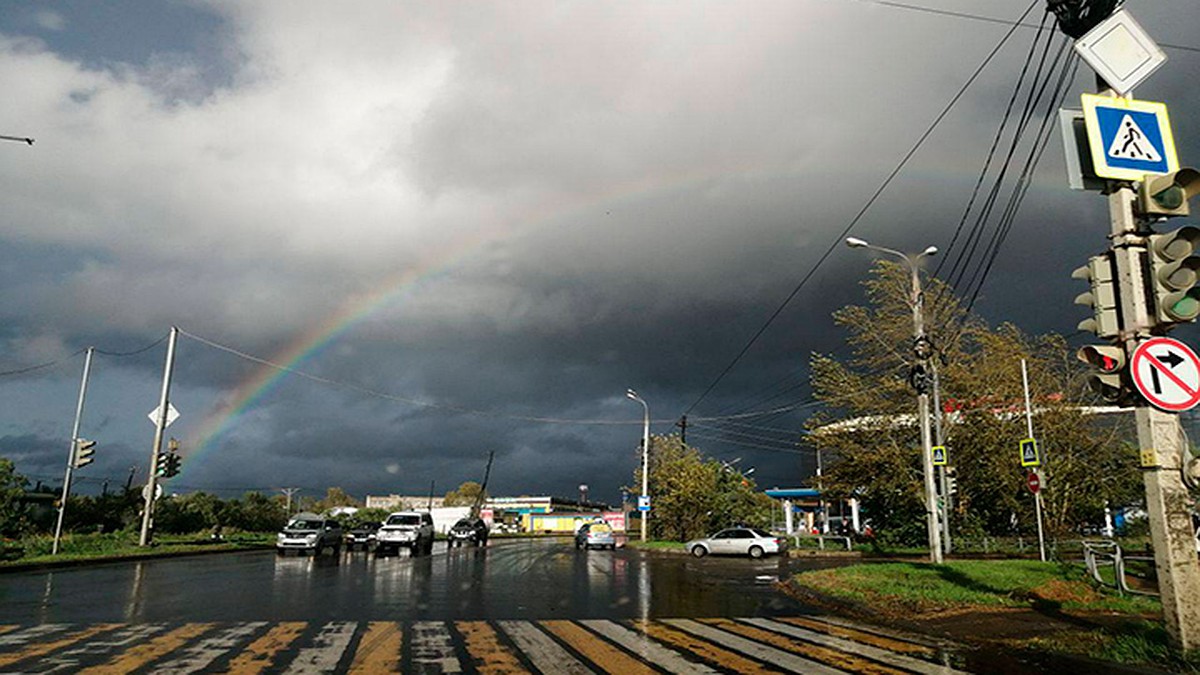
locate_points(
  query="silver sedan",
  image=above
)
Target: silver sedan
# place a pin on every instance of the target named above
(736, 541)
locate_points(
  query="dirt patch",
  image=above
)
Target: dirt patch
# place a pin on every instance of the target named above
(1066, 592)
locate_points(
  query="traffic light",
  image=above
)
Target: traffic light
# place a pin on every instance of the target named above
(1102, 297)
(1109, 363)
(1168, 195)
(162, 464)
(83, 452)
(1174, 272)
(173, 461)
(951, 481)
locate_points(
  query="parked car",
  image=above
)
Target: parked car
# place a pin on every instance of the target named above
(737, 541)
(469, 531)
(362, 536)
(595, 535)
(309, 533)
(409, 529)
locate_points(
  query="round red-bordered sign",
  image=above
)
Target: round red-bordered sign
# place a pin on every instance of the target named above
(1034, 482)
(1167, 373)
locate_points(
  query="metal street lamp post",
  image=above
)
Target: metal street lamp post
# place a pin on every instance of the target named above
(633, 395)
(920, 343)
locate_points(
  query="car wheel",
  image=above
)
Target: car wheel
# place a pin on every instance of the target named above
(699, 551)
(756, 552)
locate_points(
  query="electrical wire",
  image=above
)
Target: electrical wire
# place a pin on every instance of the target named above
(41, 366)
(135, 352)
(866, 207)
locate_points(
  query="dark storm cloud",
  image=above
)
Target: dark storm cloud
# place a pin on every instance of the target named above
(519, 210)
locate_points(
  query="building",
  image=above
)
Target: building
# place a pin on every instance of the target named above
(816, 513)
(404, 503)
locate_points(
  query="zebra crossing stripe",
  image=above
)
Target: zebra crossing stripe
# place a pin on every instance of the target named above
(432, 651)
(491, 656)
(723, 658)
(145, 653)
(545, 654)
(759, 651)
(847, 631)
(870, 651)
(5, 629)
(43, 648)
(197, 657)
(379, 649)
(646, 649)
(832, 657)
(38, 632)
(608, 658)
(259, 654)
(98, 649)
(326, 650)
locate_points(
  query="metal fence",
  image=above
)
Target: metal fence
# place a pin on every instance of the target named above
(820, 540)
(1101, 555)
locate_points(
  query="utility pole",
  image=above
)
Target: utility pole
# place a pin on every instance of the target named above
(939, 440)
(1037, 496)
(71, 454)
(159, 426)
(644, 509)
(682, 424)
(288, 492)
(919, 378)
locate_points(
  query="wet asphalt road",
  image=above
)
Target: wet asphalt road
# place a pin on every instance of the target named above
(508, 579)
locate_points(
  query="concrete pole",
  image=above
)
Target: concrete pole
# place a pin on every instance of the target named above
(1037, 496)
(159, 426)
(931, 511)
(66, 491)
(1160, 437)
(645, 462)
(939, 439)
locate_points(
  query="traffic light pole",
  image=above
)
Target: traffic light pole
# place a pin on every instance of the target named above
(159, 426)
(66, 491)
(938, 439)
(931, 507)
(1160, 438)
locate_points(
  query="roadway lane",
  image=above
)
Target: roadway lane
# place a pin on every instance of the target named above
(508, 579)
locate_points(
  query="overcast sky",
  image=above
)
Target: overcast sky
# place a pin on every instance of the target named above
(471, 226)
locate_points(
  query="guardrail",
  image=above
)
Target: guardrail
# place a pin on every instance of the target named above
(1102, 554)
(820, 539)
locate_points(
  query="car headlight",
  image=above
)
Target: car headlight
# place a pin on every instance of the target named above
(310, 538)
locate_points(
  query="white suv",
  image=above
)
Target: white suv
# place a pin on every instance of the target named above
(309, 533)
(411, 529)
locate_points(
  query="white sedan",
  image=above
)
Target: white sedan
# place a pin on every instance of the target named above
(737, 541)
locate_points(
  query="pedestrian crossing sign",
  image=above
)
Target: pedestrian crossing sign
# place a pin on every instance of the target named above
(939, 455)
(1029, 453)
(1129, 139)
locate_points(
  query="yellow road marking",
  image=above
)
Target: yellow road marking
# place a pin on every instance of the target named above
(379, 649)
(47, 647)
(492, 656)
(860, 636)
(257, 656)
(145, 653)
(598, 652)
(705, 650)
(5, 629)
(826, 655)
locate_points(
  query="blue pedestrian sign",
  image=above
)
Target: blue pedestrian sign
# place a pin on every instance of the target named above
(1129, 138)
(643, 502)
(939, 455)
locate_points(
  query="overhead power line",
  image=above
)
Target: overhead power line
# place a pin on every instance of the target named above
(866, 207)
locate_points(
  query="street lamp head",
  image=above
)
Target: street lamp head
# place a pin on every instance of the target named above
(932, 250)
(629, 393)
(855, 242)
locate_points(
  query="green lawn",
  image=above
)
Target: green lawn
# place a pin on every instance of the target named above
(906, 587)
(78, 547)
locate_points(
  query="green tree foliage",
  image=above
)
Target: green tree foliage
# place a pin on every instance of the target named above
(366, 516)
(14, 514)
(334, 497)
(465, 494)
(868, 422)
(693, 497)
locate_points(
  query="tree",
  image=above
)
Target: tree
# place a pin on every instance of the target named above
(693, 496)
(334, 497)
(868, 420)
(14, 513)
(465, 495)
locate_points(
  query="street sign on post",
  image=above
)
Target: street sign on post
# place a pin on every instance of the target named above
(1129, 138)
(939, 455)
(1167, 373)
(172, 415)
(1034, 482)
(1120, 51)
(1029, 453)
(643, 502)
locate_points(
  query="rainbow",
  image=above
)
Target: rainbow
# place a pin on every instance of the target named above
(266, 379)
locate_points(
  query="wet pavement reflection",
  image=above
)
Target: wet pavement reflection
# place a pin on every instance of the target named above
(508, 579)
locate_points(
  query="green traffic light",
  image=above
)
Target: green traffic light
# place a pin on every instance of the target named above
(1171, 198)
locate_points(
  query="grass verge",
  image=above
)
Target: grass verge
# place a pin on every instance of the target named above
(86, 547)
(654, 545)
(1126, 629)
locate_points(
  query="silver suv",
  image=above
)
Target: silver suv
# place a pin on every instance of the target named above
(410, 529)
(309, 533)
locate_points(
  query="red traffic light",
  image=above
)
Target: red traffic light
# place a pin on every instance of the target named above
(1104, 358)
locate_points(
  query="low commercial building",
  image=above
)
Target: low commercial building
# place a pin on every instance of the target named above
(404, 502)
(814, 513)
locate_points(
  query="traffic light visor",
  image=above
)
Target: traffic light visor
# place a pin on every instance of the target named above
(1104, 358)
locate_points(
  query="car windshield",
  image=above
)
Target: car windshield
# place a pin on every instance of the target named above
(465, 523)
(404, 520)
(304, 524)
